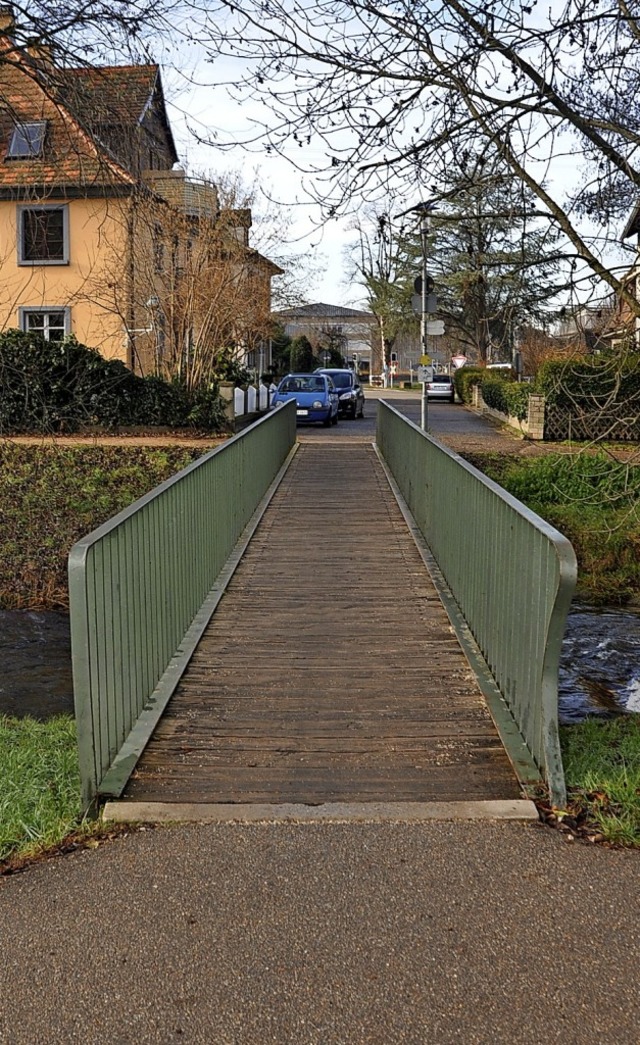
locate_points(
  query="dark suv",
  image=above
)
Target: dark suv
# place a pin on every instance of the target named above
(349, 389)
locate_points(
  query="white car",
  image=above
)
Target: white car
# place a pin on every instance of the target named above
(441, 386)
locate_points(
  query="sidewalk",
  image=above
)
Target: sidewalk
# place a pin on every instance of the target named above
(334, 934)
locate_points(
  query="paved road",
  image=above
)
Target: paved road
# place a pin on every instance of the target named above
(325, 934)
(452, 423)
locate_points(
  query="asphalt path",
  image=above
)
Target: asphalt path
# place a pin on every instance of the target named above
(446, 421)
(325, 934)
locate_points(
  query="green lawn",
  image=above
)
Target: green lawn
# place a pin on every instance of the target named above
(602, 769)
(39, 784)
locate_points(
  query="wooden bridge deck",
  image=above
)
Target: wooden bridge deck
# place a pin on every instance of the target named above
(329, 672)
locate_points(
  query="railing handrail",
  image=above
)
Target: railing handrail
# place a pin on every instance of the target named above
(138, 583)
(520, 641)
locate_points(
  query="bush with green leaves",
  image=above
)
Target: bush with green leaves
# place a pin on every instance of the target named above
(593, 479)
(63, 386)
(464, 379)
(206, 410)
(229, 368)
(590, 382)
(508, 396)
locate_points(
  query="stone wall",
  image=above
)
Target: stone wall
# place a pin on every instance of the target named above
(532, 428)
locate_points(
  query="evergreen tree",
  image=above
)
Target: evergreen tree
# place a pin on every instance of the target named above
(302, 357)
(496, 268)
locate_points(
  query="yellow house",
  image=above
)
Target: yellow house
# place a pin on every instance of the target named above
(101, 233)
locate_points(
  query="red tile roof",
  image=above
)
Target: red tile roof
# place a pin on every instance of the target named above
(113, 94)
(76, 104)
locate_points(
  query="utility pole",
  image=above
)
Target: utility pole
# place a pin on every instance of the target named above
(423, 210)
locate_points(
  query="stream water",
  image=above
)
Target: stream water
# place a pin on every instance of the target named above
(599, 670)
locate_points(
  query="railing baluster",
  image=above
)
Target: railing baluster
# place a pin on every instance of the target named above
(513, 577)
(138, 582)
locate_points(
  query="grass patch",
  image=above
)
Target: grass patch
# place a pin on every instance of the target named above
(51, 496)
(39, 784)
(594, 501)
(602, 771)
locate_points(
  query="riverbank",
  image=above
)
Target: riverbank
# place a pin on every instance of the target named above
(52, 493)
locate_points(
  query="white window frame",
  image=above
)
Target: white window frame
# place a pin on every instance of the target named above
(24, 209)
(45, 310)
(22, 135)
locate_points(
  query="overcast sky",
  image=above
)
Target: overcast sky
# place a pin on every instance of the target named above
(208, 109)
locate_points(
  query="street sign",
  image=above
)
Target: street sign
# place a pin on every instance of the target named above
(458, 361)
(416, 303)
(425, 374)
(417, 284)
(435, 327)
(425, 360)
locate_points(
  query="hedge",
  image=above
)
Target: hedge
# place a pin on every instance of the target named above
(589, 382)
(63, 386)
(464, 378)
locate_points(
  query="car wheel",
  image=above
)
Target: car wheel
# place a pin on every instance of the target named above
(327, 421)
(335, 418)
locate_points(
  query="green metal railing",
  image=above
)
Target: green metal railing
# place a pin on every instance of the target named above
(511, 574)
(142, 588)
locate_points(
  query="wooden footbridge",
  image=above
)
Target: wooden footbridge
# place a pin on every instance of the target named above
(336, 668)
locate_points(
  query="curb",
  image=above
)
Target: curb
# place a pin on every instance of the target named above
(328, 812)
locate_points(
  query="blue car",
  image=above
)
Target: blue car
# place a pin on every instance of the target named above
(315, 395)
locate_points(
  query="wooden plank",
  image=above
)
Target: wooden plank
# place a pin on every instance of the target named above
(330, 671)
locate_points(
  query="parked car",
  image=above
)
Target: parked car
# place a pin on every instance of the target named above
(349, 389)
(315, 395)
(441, 386)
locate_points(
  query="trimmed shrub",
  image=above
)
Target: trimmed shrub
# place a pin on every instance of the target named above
(589, 383)
(464, 379)
(62, 386)
(506, 395)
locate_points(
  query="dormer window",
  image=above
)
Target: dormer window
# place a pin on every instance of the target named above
(27, 140)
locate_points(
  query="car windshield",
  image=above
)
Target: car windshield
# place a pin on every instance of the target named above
(303, 383)
(441, 379)
(342, 380)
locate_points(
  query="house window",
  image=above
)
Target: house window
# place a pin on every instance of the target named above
(26, 141)
(43, 235)
(52, 323)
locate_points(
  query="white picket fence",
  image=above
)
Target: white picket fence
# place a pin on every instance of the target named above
(251, 399)
(245, 402)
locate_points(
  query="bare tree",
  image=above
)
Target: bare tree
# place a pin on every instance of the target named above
(85, 32)
(273, 234)
(198, 293)
(388, 94)
(385, 262)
